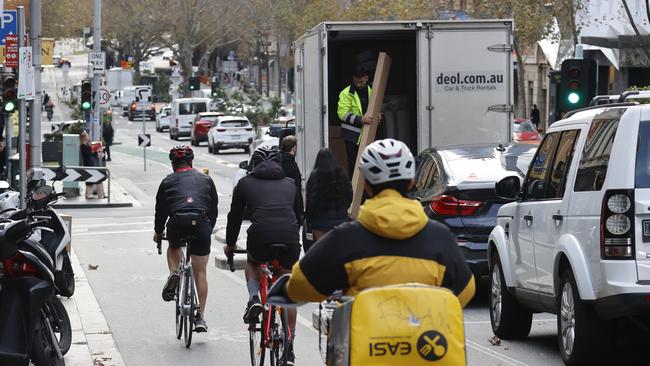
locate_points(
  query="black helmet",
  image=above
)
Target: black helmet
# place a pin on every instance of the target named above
(181, 153)
(263, 154)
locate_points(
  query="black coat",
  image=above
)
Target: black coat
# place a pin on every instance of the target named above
(108, 134)
(187, 191)
(292, 171)
(272, 200)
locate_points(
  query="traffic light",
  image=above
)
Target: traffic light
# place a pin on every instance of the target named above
(86, 95)
(578, 84)
(9, 93)
(194, 83)
(215, 89)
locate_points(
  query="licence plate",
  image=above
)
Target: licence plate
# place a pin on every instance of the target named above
(646, 230)
(235, 137)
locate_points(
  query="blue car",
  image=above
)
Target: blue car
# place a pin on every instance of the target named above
(456, 186)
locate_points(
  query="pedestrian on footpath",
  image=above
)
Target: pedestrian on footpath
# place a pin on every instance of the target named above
(534, 116)
(108, 133)
(90, 159)
(46, 99)
(289, 148)
(329, 195)
(186, 203)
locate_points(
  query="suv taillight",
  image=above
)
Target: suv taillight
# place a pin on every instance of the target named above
(221, 130)
(617, 225)
(249, 128)
(451, 206)
(17, 266)
(133, 107)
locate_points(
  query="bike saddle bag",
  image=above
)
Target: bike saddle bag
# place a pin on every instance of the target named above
(409, 324)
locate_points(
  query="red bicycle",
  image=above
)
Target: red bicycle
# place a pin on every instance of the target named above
(273, 332)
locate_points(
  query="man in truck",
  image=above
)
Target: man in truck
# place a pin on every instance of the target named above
(352, 109)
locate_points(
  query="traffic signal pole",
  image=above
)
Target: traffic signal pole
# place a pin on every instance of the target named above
(22, 114)
(95, 120)
(35, 111)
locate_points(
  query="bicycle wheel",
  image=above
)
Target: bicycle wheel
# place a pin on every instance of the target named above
(188, 321)
(256, 342)
(179, 314)
(279, 337)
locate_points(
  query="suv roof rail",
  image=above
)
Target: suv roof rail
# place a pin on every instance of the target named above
(615, 104)
(620, 98)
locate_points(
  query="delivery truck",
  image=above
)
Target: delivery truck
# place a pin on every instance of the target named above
(450, 82)
(116, 80)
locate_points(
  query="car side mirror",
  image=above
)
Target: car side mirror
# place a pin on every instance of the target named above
(244, 165)
(191, 123)
(509, 188)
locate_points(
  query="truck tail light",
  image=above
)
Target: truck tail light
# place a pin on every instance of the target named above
(617, 225)
(132, 107)
(446, 205)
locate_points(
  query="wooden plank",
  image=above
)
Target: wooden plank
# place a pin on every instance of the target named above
(370, 131)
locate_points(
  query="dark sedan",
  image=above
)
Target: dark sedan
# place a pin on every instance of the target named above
(456, 187)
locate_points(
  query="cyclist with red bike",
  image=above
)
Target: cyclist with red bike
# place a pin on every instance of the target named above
(273, 203)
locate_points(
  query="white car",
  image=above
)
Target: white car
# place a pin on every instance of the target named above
(576, 241)
(163, 117)
(230, 132)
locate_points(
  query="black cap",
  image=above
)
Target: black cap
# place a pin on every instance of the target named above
(360, 71)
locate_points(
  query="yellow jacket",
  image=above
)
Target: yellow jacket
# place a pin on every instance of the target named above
(350, 112)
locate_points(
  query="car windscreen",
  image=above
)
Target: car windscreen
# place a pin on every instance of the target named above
(192, 108)
(524, 127)
(642, 170)
(237, 123)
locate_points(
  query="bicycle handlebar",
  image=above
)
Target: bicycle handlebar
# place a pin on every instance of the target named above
(159, 244)
(231, 261)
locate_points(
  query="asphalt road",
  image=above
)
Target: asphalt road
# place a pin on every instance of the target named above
(130, 273)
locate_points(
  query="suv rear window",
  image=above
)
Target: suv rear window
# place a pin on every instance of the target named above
(240, 123)
(192, 108)
(642, 170)
(595, 155)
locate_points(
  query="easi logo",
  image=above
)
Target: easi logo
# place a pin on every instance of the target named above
(468, 82)
(432, 345)
(390, 348)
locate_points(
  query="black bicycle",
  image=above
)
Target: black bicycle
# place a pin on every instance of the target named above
(186, 298)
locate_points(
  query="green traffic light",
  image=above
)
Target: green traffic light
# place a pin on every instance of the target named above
(573, 98)
(9, 107)
(85, 106)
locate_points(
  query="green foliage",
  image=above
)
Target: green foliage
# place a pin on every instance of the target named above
(640, 88)
(74, 128)
(161, 88)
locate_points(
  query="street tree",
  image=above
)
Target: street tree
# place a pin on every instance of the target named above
(66, 18)
(136, 29)
(533, 22)
(194, 25)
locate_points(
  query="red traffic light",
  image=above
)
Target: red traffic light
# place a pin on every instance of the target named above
(574, 85)
(574, 72)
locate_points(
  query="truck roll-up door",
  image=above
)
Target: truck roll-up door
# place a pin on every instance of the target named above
(309, 111)
(470, 76)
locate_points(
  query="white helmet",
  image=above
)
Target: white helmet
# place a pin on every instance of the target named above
(387, 160)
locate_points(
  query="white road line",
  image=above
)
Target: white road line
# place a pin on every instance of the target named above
(534, 320)
(114, 224)
(301, 319)
(89, 233)
(491, 353)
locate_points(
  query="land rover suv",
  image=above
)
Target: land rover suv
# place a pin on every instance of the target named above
(576, 240)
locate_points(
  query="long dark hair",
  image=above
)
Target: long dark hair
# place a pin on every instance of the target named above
(329, 184)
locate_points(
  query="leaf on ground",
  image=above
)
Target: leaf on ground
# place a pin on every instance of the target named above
(93, 267)
(495, 341)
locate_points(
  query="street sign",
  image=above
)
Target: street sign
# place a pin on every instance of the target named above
(98, 62)
(104, 96)
(88, 175)
(26, 74)
(143, 96)
(8, 24)
(11, 47)
(144, 140)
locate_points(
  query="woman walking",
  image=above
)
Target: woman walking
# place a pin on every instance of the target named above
(329, 194)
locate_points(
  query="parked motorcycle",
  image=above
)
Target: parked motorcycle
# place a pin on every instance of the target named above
(30, 313)
(54, 236)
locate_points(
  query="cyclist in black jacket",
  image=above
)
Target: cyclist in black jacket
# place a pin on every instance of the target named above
(188, 198)
(272, 200)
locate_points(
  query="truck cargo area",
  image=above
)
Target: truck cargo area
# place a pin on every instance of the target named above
(349, 48)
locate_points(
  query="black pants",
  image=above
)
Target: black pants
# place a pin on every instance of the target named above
(108, 151)
(351, 150)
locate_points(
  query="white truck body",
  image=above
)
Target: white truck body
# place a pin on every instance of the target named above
(450, 82)
(118, 78)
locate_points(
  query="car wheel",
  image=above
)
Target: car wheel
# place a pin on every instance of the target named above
(509, 319)
(215, 148)
(130, 117)
(582, 336)
(192, 141)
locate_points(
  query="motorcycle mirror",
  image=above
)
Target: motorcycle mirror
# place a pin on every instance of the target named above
(41, 194)
(4, 184)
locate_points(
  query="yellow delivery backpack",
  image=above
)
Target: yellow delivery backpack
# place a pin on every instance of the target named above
(410, 324)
